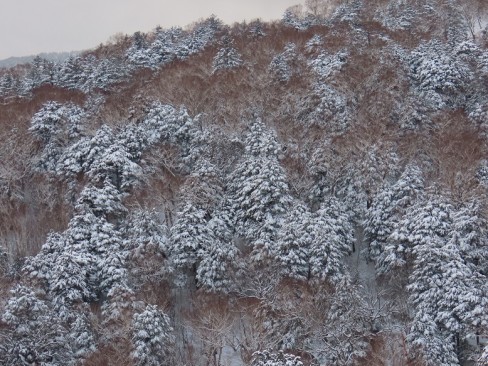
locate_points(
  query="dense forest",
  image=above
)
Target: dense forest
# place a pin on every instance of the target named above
(309, 191)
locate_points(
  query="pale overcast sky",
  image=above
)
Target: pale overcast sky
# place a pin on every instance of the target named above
(33, 26)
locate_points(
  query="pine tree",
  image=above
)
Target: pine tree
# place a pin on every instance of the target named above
(166, 124)
(8, 84)
(334, 239)
(46, 123)
(311, 246)
(152, 338)
(431, 345)
(41, 72)
(35, 334)
(104, 201)
(139, 54)
(283, 65)
(163, 46)
(349, 12)
(116, 165)
(325, 65)
(387, 208)
(108, 71)
(192, 44)
(344, 335)
(256, 30)
(56, 125)
(290, 19)
(439, 76)
(217, 261)
(146, 239)
(469, 224)
(314, 44)
(67, 272)
(483, 360)
(259, 193)
(444, 288)
(227, 56)
(203, 193)
(294, 243)
(398, 16)
(327, 108)
(190, 237)
(429, 219)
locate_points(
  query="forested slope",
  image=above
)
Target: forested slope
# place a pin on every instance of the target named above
(304, 192)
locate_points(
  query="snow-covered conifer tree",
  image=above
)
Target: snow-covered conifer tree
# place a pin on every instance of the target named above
(283, 65)
(227, 56)
(55, 125)
(104, 201)
(35, 333)
(46, 123)
(146, 239)
(139, 54)
(326, 65)
(388, 206)
(327, 108)
(67, 272)
(427, 220)
(152, 338)
(314, 44)
(212, 249)
(311, 246)
(256, 29)
(259, 192)
(439, 76)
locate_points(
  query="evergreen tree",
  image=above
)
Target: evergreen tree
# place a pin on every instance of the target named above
(444, 289)
(259, 193)
(283, 65)
(387, 208)
(427, 220)
(325, 65)
(432, 345)
(46, 123)
(66, 271)
(56, 125)
(139, 54)
(71, 74)
(483, 360)
(227, 56)
(190, 237)
(439, 76)
(116, 165)
(312, 245)
(344, 337)
(152, 338)
(294, 243)
(256, 30)
(314, 44)
(327, 108)
(163, 46)
(104, 201)
(35, 334)
(214, 270)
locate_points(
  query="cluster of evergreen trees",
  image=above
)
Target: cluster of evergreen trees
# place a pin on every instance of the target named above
(313, 224)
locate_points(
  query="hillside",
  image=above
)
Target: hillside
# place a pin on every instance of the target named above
(50, 56)
(310, 191)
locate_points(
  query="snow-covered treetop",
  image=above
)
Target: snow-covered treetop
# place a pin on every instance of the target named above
(284, 65)
(261, 141)
(326, 65)
(227, 56)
